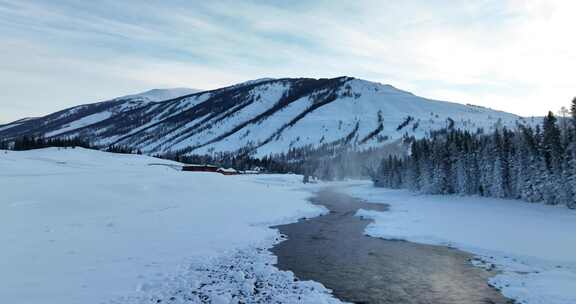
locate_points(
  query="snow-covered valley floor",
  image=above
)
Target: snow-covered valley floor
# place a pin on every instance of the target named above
(82, 226)
(532, 245)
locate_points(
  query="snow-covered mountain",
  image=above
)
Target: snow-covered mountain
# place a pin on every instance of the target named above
(265, 116)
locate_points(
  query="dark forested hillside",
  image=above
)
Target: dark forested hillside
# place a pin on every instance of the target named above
(533, 164)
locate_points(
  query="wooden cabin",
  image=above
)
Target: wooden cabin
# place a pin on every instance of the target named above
(200, 168)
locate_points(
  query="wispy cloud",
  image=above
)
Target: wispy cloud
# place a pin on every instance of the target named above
(512, 55)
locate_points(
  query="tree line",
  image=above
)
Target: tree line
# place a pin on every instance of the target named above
(531, 163)
(39, 142)
(31, 142)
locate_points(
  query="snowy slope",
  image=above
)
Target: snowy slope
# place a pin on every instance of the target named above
(69, 122)
(533, 245)
(161, 94)
(265, 116)
(83, 226)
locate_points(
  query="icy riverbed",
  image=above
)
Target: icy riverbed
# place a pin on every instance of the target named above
(533, 245)
(82, 226)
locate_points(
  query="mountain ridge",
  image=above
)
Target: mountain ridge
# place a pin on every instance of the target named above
(264, 116)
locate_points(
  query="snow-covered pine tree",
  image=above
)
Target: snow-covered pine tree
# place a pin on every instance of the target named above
(536, 165)
(573, 112)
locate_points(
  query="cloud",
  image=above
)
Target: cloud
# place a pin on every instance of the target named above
(513, 55)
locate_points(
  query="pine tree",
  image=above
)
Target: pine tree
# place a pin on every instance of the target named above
(551, 142)
(573, 111)
(535, 165)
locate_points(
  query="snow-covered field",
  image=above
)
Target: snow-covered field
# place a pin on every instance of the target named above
(533, 245)
(82, 226)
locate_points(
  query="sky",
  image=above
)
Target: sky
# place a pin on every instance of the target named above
(512, 55)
